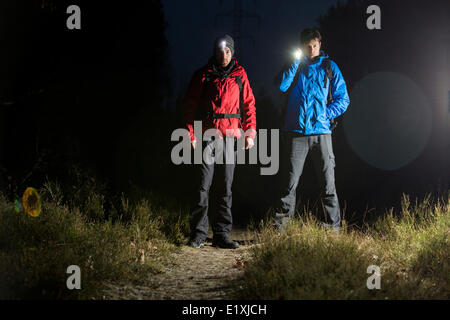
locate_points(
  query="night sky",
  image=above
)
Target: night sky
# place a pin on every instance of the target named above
(191, 32)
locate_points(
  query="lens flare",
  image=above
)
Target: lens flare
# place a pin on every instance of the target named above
(31, 202)
(390, 121)
(18, 206)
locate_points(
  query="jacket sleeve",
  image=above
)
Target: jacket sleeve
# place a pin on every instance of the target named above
(288, 76)
(249, 125)
(338, 92)
(191, 102)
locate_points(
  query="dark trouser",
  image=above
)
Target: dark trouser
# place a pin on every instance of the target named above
(321, 149)
(221, 218)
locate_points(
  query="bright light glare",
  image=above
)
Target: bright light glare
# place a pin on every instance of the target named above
(298, 54)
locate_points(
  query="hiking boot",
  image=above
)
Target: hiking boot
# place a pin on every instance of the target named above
(280, 223)
(196, 243)
(225, 243)
(336, 228)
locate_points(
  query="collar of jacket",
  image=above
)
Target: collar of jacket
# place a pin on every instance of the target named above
(222, 72)
(316, 60)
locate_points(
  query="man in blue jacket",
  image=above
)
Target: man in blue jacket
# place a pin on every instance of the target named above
(307, 116)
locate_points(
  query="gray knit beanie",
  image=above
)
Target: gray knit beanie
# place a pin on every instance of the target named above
(224, 40)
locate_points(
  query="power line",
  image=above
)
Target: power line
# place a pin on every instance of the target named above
(238, 14)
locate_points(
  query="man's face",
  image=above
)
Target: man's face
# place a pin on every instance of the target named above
(223, 56)
(312, 49)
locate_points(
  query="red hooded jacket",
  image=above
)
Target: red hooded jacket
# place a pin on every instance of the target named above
(220, 95)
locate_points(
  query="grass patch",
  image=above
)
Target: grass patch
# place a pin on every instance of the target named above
(309, 262)
(109, 238)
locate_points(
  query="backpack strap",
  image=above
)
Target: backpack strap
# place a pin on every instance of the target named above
(329, 75)
(215, 115)
(238, 80)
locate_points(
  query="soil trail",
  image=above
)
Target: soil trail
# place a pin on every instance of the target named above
(192, 274)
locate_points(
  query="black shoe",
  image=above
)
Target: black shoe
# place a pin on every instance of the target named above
(225, 243)
(196, 243)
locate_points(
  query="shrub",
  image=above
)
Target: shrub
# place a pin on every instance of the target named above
(309, 262)
(130, 241)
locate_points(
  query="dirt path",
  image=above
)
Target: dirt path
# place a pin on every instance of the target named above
(192, 274)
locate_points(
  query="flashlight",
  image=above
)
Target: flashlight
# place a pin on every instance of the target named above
(222, 44)
(298, 54)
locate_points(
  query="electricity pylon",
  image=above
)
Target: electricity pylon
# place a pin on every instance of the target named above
(238, 14)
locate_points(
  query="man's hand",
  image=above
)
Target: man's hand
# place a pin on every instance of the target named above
(249, 143)
(193, 143)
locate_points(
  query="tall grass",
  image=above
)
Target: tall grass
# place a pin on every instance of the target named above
(308, 262)
(109, 239)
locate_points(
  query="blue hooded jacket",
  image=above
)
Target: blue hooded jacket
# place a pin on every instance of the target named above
(307, 111)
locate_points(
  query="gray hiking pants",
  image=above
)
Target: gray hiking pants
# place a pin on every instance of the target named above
(321, 149)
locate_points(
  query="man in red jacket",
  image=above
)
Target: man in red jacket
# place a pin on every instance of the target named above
(220, 96)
